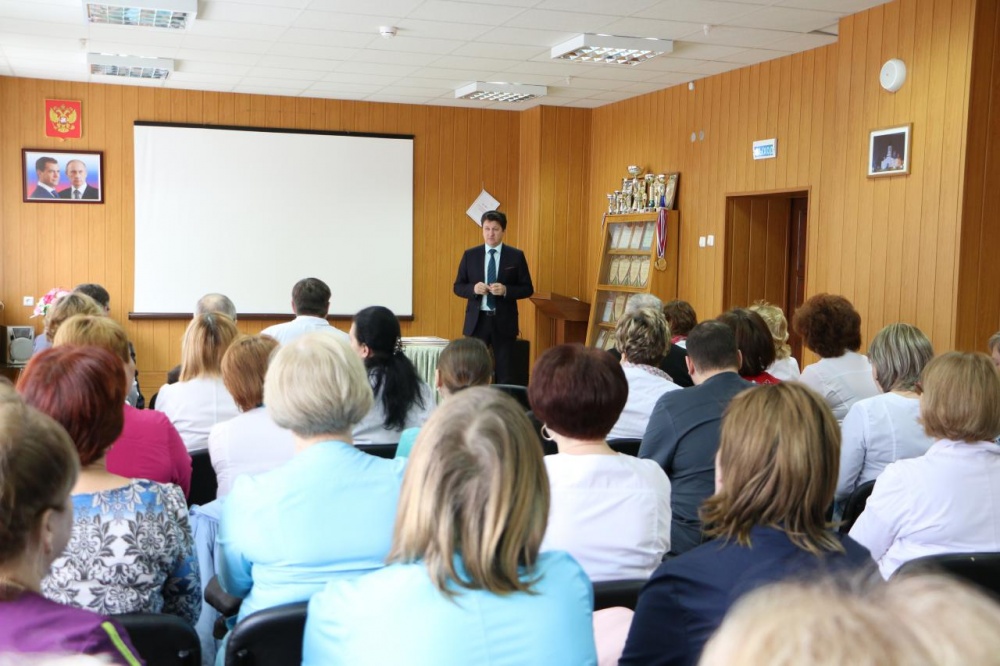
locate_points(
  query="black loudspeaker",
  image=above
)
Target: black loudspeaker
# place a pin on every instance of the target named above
(16, 344)
(519, 365)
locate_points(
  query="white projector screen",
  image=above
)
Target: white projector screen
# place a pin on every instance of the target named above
(249, 212)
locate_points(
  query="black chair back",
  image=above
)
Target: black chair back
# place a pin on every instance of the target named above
(204, 485)
(379, 450)
(629, 447)
(162, 639)
(612, 593)
(519, 393)
(856, 505)
(979, 569)
(271, 637)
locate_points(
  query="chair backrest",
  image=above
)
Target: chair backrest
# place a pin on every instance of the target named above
(612, 593)
(162, 639)
(519, 393)
(271, 637)
(856, 505)
(204, 485)
(979, 569)
(380, 450)
(629, 447)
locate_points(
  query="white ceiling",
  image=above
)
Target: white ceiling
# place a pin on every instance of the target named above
(332, 49)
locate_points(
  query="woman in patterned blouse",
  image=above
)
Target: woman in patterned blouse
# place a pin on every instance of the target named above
(131, 549)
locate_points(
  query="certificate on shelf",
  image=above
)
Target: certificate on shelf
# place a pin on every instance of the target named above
(616, 235)
(609, 309)
(610, 342)
(613, 270)
(623, 267)
(602, 337)
(647, 235)
(632, 272)
(636, 240)
(643, 272)
(620, 301)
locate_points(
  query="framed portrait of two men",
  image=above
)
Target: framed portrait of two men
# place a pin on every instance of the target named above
(62, 176)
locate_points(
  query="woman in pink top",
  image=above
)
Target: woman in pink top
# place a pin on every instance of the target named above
(149, 446)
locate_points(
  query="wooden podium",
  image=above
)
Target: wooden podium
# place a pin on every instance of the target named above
(570, 316)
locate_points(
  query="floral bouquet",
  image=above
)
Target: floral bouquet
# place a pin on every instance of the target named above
(46, 301)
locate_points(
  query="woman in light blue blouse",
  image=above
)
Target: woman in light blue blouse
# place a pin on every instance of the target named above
(328, 512)
(465, 582)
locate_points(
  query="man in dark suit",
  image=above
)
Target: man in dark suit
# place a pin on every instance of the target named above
(76, 172)
(47, 172)
(683, 431)
(493, 277)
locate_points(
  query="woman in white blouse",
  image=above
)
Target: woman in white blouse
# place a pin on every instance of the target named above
(947, 500)
(200, 399)
(610, 511)
(252, 442)
(885, 428)
(831, 327)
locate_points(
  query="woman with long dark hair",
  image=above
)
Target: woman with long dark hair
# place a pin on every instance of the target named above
(402, 399)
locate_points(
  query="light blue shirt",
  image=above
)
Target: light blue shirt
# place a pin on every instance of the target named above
(486, 270)
(397, 616)
(327, 513)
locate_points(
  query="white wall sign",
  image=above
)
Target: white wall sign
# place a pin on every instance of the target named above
(765, 149)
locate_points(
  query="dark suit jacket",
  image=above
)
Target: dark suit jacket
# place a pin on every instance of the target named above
(89, 192)
(512, 272)
(683, 437)
(41, 193)
(687, 596)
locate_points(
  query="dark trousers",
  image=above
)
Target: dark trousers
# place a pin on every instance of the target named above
(502, 345)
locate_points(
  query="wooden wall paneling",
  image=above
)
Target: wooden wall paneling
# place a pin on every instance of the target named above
(776, 238)
(886, 269)
(868, 292)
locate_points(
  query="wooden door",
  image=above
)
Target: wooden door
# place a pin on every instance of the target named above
(757, 251)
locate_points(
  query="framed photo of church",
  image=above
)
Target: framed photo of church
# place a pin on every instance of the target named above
(62, 176)
(889, 151)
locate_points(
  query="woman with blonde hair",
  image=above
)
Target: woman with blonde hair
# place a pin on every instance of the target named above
(70, 305)
(886, 427)
(776, 471)
(466, 583)
(785, 366)
(945, 501)
(149, 446)
(200, 399)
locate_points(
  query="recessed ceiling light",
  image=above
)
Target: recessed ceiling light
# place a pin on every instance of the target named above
(611, 50)
(176, 14)
(132, 67)
(499, 92)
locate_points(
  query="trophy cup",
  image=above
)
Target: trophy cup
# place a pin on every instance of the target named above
(660, 189)
(647, 187)
(612, 203)
(636, 206)
(627, 192)
(619, 201)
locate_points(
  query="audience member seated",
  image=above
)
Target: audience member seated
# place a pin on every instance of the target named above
(610, 511)
(465, 362)
(641, 336)
(681, 318)
(311, 305)
(753, 339)
(200, 399)
(683, 431)
(42, 342)
(831, 327)
(38, 469)
(945, 501)
(402, 399)
(69, 305)
(328, 512)
(207, 304)
(131, 550)
(785, 366)
(775, 477)
(103, 298)
(252, 442)
(466, 583)
(149, 446)
(932, 620)
(886, 428)
(674, 359)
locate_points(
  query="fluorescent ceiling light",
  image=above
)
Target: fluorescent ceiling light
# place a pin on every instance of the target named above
(176, 14)
(499, 92)
(611, 50)
(132, 67)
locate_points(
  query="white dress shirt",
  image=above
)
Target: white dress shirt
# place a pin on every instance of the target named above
(285, 333)
(644, 389)
(842, 381)
(195, 406)
(486, 270)
(878, 431)
(945, 501)
(251, 443)
(611, 513)
(785, 369)
(372, 430)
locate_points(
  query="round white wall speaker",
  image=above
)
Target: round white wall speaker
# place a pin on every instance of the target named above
(20, 350)
(893, 75)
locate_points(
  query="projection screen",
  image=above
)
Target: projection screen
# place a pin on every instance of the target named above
(248, 212)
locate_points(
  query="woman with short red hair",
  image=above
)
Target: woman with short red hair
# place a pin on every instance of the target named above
(131, 548)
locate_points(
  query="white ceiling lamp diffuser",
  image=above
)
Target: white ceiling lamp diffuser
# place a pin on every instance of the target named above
(499, 92)
(132, 67)
(611, 50)
(170, 14)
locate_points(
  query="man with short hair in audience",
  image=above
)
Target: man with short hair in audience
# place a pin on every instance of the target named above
(311, 304)
(103, 298)
(683, 431)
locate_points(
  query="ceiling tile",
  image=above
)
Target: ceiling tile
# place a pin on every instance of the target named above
(397, 58)
(450, 74)
(694, 51)
(702, 11)
(133, 35)
(35, 11)
(463, 12)
(499, 51)
(231, 29)
(286, 62)
(210, 86)
(192, 77)
(574, 22)
(17, 53)
(312, 51)
(544, 39)
(749, 38)
(416, 45)
(224, 44)
(218, 56)
(397, 99)
(243, 13)
(288, 74)
(643, 27)
(359, 88)
(393, 70)
(409, 27)
(145, 51)
(44, 29)
(222, 68)
(598, 6)
(331, 38)
(52, 43)
(268, 82)
(386, 7)
(349, 77)
(844, 7)
(803, 42)
(784, 18)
